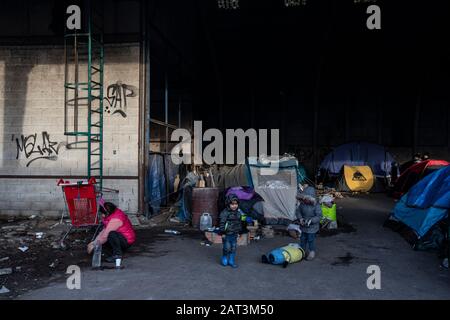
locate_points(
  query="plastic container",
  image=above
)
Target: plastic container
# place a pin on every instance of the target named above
(205, 221)
(172, 231)
(204, 200)
(97, 257)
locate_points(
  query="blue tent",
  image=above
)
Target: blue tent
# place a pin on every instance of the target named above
(426, 203)
(358, 154)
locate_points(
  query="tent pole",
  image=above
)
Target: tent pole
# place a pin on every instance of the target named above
(416, 124)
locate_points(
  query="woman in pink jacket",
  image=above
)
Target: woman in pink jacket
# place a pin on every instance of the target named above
(117, 231)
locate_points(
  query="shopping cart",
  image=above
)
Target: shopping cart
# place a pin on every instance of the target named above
(81, 202)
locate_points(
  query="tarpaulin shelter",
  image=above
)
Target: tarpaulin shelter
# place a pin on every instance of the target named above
(160, 181)
(415, 173)
(278, 187)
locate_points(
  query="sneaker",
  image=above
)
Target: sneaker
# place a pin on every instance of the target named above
(311, 256)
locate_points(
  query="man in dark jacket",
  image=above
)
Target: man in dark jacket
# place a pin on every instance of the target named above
(309, 214)
(230, 227)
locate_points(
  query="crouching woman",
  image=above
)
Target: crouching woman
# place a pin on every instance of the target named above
(117, 232)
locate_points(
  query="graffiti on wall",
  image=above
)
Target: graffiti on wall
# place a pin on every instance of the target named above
(34, 149)
(116, 98)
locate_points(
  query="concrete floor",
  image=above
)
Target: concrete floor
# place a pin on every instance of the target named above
(178, 267)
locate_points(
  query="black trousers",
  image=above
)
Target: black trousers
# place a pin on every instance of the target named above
(118, 243)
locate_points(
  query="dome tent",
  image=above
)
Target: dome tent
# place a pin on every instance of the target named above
(358, 154)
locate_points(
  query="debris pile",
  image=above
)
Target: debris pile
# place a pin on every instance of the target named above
(30, 254)
(321, 191)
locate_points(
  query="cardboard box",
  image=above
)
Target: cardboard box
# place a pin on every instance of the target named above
(215, 238)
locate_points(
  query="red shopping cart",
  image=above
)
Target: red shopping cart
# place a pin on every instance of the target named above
(81, 202)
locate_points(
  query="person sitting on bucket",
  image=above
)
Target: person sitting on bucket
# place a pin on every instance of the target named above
(230, 227)
(117, 233)
(309, 214)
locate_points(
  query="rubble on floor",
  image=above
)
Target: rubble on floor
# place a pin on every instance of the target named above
(29, 251)
(321, 191)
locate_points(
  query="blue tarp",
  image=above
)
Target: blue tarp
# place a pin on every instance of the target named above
(160, 167)
(156, 190)
(359, 154)
(426, 203)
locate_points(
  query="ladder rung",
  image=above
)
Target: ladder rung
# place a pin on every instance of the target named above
(95, 169)
(95, 125)
(95, 154)
(96, 140)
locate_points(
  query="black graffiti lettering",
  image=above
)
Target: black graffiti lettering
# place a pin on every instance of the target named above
(52, 158)
(49, 149)
(116, 97)
(28, 146)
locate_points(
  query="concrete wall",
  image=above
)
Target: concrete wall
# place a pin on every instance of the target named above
(34, 152)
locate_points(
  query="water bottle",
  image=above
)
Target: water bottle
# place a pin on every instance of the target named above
(97, 257)
(205, 221)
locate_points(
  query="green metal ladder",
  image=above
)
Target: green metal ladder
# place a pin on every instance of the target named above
(84, 53)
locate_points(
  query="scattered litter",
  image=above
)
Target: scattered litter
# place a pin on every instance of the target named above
(134, 220)
(268, 232)
(39, 235)
(55, 245)
(172, 231)
(33, 216)
(4, 259)
(10, 220)
(56, 224)
(176, 220)
(54, 263)
(206, 243)
(18, 268)
(5, 271)
(9, 227)
(4, 289)
(23, 249)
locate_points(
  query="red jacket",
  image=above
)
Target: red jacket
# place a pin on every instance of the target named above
(125, 228)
